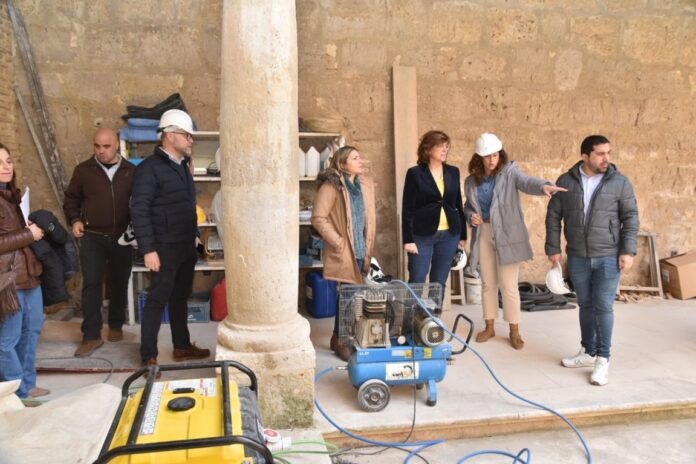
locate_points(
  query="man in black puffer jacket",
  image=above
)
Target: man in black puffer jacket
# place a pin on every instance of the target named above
(600, 224)
(163, 214)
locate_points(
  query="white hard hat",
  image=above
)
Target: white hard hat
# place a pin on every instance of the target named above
(175, 119)
(554, 281)
(375, 276)
(459, 260)
(487, 144)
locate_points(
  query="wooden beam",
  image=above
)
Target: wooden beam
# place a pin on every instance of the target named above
(405, 140)
(48, 139)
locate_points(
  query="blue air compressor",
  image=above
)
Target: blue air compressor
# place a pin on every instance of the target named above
(396, 341)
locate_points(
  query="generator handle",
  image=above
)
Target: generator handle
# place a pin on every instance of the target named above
(153, 373)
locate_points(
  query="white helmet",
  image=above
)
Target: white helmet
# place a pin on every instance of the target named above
(459, 260)
(175, 119)
(375, 276)
(487, 144)
(554, 281)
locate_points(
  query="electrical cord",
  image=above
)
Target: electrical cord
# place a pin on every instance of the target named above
(84, 370)
(413, 420)
(421, 445)
(504, 387)
(318, 377)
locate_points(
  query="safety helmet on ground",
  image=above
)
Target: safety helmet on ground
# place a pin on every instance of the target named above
(459, 260)
(487, 144)
(175, 119)
(554, 280)
(375, 276)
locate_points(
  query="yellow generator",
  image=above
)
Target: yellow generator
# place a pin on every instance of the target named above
(187, 421)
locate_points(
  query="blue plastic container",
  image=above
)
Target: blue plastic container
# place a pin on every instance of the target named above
(321, 296)
(142, 299)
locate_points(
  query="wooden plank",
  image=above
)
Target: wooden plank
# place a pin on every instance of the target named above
(50, 147)
(39, 146)
(405, 140)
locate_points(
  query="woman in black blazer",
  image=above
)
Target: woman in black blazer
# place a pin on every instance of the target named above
(433, 223)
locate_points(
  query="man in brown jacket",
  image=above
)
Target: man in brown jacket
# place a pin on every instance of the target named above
(97, 206)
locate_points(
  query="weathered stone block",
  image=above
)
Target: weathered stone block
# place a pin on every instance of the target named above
(455, 22)
(554, 29)
(511, 26)
(361, 58)
(652, 39)
(687, 56)
(482, 66)
(625, 5)
(533, 67)
(598, 34)
(567, 70)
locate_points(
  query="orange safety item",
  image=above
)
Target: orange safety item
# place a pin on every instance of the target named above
(218, 301)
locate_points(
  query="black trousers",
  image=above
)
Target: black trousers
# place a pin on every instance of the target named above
(172, 285)
(97, 254)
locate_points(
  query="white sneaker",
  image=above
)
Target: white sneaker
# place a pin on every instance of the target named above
(581, 359)
(600, 374)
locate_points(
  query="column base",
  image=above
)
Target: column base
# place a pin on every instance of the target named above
(284, 360)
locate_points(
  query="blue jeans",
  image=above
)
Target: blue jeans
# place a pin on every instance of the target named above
(595, 281)
(19, 337)
(435, 253)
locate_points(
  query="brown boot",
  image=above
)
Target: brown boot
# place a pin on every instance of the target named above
(515, 337)
(488, 332)
(342, 351)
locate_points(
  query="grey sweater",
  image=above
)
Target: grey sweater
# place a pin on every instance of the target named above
(507, 218)
(612, 223)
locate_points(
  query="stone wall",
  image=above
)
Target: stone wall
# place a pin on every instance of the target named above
(542, 75)
(8, 126)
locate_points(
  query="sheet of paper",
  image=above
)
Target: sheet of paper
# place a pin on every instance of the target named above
(24, 204)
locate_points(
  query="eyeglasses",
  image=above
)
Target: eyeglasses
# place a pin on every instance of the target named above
(188, 136)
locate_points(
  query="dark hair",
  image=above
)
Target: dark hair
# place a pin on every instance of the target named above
(477, 170)
(587, 145)
(428, 141)
(11, 185)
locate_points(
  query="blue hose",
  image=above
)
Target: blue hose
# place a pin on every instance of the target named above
(421, 445)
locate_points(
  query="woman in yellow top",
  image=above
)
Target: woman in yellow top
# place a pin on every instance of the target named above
(433, 223)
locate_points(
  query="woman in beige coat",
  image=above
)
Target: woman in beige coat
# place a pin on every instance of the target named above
(344, 216)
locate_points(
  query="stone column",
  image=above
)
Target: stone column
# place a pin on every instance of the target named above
(260, 198)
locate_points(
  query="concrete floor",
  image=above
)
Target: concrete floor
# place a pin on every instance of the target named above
(652, 377)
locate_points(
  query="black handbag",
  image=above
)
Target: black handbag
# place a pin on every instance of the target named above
(9, 304)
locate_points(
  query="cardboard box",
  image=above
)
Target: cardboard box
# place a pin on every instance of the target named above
(679, 275)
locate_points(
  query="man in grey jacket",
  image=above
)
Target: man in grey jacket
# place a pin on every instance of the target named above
(600, 225)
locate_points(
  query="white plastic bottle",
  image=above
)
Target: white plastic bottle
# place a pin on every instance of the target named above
(302, 165)
(312, 163)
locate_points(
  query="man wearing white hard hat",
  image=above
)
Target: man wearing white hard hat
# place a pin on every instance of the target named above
(499, 238)
(163, 214)
(600, 224)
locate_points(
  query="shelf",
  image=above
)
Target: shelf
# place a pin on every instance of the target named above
(315, 265)
(305, 223)
(206, 178)
(200, 266)
(207, 224)
(319, 135)
(204, 134)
